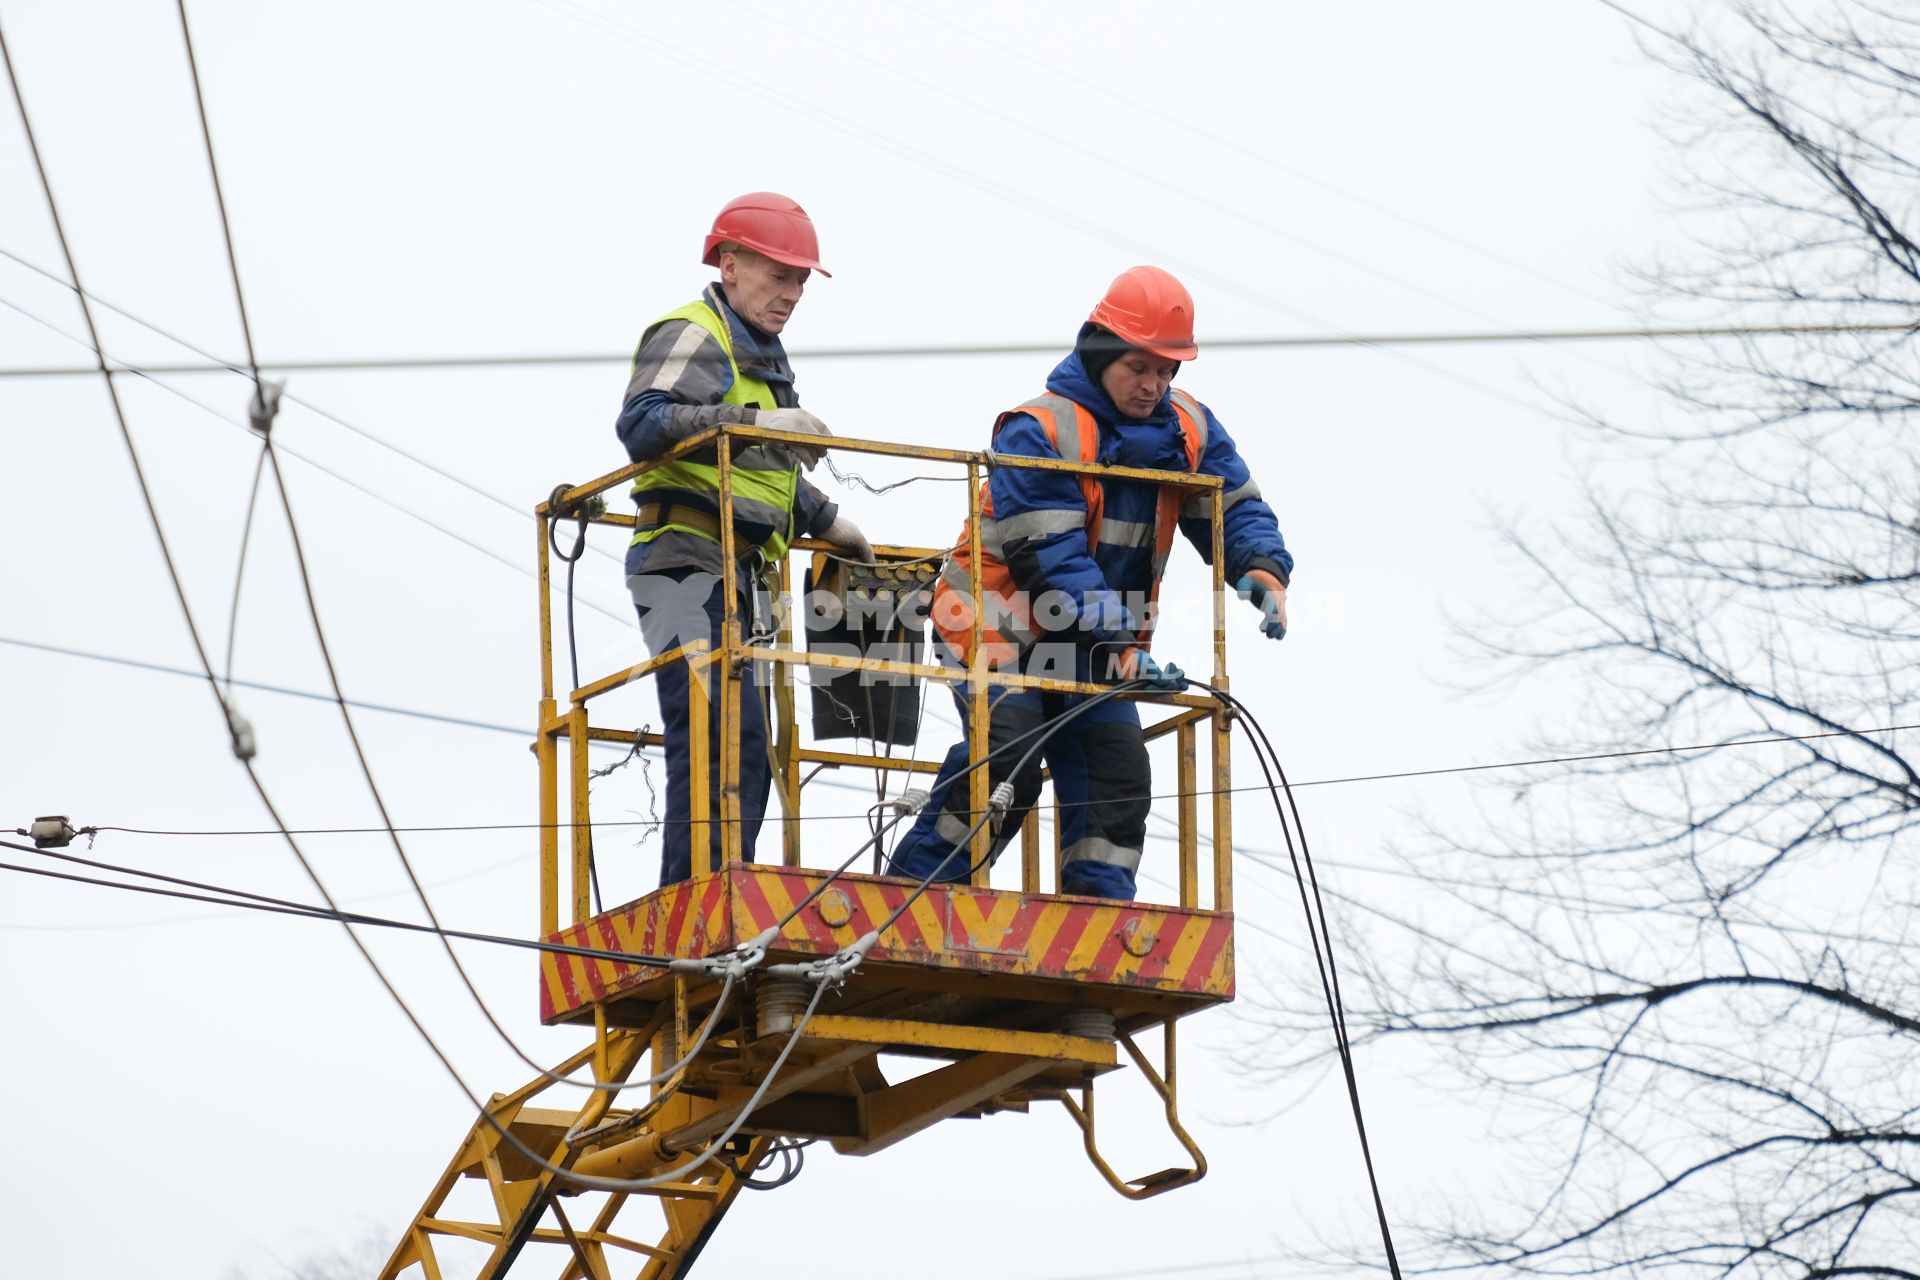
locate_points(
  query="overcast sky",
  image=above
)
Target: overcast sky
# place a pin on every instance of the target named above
(196, 1094)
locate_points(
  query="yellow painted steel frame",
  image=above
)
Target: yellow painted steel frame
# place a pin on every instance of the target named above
(733, 655)
(1167, 1087)
(1002, 1037)
(522, 1196)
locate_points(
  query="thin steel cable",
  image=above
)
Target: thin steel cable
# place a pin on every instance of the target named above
(1191, 192)
(230, 896)
(1041, 736)
(1279, 342)
(216, 365)
(1158, 795)
(241, 898)
(941, 165)
(143, 372)
(253, 777)
(240, 566)
(313, 605)
(219, 194)
(1057, 69)
(113, 393)
(379, 801)
(519, 731)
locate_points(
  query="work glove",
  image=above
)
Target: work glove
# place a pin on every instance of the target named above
(846, 535)
(1138, 664)
(1270, 597)
(796, 419)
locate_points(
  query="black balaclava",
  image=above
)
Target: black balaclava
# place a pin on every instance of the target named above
(1098, 348)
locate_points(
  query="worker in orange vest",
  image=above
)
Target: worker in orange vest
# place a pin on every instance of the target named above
(1070, 580)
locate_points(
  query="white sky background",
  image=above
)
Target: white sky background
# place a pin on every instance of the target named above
(516, 177)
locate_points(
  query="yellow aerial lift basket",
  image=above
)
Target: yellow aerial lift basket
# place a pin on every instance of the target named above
(788, 981)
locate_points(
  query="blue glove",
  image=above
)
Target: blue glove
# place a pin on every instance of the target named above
(1167, 679)
(1270, 597)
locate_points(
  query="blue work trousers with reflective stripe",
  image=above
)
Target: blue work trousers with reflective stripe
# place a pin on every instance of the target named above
(1100, 775)
(677, 606)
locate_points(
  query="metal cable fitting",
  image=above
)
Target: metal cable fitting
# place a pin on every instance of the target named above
(734, 963)
(910, 801)
(241, 729)
(834, 969)
(999, 802)
(265, 405)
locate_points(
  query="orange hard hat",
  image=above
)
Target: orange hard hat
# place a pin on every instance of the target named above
(1150, 309)
(767, 223)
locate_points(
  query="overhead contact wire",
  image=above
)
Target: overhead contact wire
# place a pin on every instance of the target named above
(848, 817)
(319, 631)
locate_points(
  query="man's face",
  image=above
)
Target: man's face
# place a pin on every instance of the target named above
(1136, 381)
(761, 291)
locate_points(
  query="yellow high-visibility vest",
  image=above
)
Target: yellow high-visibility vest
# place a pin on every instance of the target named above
(766, 479)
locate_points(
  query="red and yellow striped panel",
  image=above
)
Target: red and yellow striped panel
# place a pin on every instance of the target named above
(1130, 945)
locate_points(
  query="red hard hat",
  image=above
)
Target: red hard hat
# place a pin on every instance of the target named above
(767, 223)
(1149, 309)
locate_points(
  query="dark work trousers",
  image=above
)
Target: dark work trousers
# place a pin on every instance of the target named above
(1100, 775)
(678, 606)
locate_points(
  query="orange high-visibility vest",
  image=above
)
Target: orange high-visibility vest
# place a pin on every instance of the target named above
(1008, 629)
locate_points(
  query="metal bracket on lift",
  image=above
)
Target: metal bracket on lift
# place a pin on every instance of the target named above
(1168, 1089)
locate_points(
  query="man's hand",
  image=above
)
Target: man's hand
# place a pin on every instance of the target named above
(1268, 596)
(846, 535)
(1138, 664)
(800, 420)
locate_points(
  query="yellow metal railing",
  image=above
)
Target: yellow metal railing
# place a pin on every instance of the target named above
(1193, 712)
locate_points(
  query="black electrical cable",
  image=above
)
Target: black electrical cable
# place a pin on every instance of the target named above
(1044, 731)
(263, 423)
(216, 365)
(465, 723)
(572, 558)
(1320, 935)
(1041, 734)
(234, 729)
(353, 917)
(377, 364)
(219, 195)
(845, 817)
(792, 1154)
(240, 565)
(230, 897)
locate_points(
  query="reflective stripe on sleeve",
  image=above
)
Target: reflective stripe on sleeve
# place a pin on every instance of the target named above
(682, 351)
(1199, 415)
(1125, 533)
(1065, 423)
(1200, 505)
(1030, 524)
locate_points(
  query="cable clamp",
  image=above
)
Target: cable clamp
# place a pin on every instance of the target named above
(999, 802)
(244, 746)
(830, 970)
(910, 801)
(731, 964)
(265, 405)
(588, 508)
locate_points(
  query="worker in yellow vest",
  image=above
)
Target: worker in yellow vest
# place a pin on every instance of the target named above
(719, 359)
